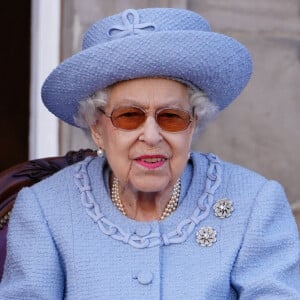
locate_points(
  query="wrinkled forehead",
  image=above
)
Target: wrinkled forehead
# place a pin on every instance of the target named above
(149, 93)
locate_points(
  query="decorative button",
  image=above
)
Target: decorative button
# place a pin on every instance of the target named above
(223, 208)
(144, 277)
(206, 236)
(143, 230)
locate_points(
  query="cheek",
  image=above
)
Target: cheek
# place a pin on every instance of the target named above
(117, 151)
(117, 146)
(111, 137)
(181, 146)
(183, 141)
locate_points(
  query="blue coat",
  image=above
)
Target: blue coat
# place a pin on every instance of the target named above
(66, 239)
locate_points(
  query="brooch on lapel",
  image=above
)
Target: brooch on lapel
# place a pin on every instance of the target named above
(223, 208)
(206, 236)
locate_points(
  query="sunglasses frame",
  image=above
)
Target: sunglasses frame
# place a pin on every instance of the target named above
(191, 117)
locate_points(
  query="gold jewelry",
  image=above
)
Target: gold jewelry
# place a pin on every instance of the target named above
(171, 206)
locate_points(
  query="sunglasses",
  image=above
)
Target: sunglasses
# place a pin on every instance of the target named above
(131, 117)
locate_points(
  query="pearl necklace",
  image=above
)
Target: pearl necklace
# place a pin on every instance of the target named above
(171, 206)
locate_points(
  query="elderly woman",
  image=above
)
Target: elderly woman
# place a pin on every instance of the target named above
(148, 218)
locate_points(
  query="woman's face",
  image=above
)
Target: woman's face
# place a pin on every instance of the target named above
(146, 159)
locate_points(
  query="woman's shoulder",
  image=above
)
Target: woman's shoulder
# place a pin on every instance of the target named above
(242, 174)
(56, 196)
(60, 185)
(249, 181)
(229, 168)
(239, 179)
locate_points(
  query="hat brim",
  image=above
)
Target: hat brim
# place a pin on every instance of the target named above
(215, 63)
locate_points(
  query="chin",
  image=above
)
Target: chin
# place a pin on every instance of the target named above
(151, 185)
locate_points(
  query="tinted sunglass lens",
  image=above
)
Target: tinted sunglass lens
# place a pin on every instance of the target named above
(128, 118)
(173, 119)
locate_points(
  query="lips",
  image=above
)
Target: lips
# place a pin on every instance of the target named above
(151, 161)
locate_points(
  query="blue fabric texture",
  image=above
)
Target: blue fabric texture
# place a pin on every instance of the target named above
(66, 240)
(152, 42)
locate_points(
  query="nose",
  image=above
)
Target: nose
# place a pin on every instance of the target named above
(151, 132)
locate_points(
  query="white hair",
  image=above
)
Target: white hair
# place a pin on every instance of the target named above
(88, 113)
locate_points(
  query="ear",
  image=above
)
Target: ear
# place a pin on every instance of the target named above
(97, 134)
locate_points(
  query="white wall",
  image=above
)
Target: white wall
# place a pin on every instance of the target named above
(45, 55)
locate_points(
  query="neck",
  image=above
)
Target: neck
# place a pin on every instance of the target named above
(142, 206)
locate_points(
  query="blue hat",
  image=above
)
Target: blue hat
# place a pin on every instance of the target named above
(151, 42)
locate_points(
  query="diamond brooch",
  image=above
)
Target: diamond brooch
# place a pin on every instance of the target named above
(206, 236)
(223, 208)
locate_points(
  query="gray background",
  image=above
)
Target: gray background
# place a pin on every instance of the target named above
(261, 129)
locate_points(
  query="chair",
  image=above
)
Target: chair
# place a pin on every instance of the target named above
(26, 174)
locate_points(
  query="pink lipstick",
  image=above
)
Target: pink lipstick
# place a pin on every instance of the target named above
(151, 161)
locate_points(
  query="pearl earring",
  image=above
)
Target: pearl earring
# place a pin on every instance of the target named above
(100, 152)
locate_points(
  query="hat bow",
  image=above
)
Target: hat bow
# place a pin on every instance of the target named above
(131, 25)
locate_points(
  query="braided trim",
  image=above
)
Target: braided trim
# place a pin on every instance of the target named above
(177, 236)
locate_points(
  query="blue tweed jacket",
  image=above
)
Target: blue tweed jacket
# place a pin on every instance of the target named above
(67, 241)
